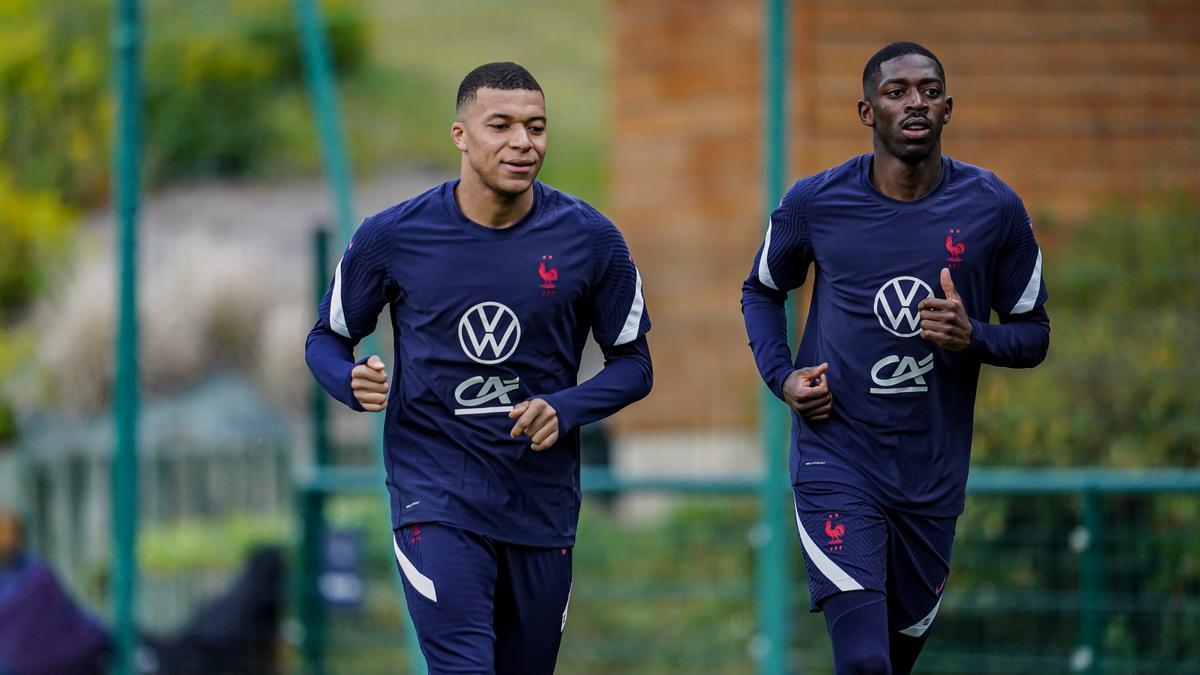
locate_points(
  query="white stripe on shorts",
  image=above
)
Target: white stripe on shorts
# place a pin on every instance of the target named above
(918, 629)
(420, 583)
(566, 606)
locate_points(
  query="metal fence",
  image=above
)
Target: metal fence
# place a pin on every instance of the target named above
(1073, 571)
(1084, 571)
(213, 453)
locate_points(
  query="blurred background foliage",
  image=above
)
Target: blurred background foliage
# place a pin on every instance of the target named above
(225, 98)
(1119, 387)
(216, 74)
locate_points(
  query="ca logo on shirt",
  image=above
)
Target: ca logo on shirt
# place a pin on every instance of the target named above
(488, 333)
(896, 305)
(907, 377)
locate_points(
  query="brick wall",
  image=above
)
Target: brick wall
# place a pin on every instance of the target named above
(1073, 102)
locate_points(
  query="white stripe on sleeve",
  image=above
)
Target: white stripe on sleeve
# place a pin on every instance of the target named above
(1029, 297)
(633, 321)
(836, 575)
(337, 316)
(420, 583)
(764, 270)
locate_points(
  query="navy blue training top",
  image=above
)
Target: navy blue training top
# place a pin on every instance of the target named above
(484, 318)
(902, 416)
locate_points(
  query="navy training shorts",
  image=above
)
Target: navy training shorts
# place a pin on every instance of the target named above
(481, 606)
(852, 543)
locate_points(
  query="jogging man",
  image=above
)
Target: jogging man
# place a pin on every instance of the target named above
(494, 281)
(911, 252)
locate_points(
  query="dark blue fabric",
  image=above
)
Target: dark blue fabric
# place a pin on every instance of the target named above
(903, 408)
(904, 555)
(857, 622)
(496, 608)
(461, 361)
(42, 631)
(904, 651)
(857, 625)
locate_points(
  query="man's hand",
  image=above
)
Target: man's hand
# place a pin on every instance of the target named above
(368, 381)
(807, 391)
(945, 322)
(536, 419)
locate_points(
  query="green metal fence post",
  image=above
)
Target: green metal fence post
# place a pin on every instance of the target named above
(772, 572)
(1091, 583)
(311, 504)
(320, 402)
(310, 609)
(314, 49)
(126, 73)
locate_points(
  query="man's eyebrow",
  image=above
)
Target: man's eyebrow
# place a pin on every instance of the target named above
(901, 80)
(505, 116)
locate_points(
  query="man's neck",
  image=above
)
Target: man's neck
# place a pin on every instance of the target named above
(489, 208)
(903, 181)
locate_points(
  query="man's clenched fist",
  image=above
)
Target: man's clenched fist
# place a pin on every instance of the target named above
(368, 381)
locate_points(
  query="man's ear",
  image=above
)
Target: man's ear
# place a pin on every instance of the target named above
(457, 131)
(949, 107)
(865, 114)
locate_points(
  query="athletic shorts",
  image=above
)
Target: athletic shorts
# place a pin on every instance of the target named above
(852, 543)
(481, 606)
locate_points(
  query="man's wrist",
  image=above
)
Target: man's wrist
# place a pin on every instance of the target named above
(353, 400)
(778, 380)
(976, 343)
(565, 424)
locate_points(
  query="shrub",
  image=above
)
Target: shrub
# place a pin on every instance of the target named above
(54, 115)
(35, 231)
(1120, 385)
(215, 77)
(215, 72)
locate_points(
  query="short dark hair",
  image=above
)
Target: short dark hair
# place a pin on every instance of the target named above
(504, 75)
(873, 70)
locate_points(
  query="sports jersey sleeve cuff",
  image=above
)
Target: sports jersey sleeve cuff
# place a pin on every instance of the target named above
(979, 332)
(351, 399)
(566, 419)
(778, 377)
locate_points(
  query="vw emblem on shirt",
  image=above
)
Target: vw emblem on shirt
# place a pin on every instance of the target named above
(489, 333)
(896, 305)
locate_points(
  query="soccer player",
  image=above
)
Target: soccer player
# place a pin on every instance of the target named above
(911, 252)
(494, 281)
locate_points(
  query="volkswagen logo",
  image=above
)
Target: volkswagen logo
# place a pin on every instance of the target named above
(896, 305)
(489, 333)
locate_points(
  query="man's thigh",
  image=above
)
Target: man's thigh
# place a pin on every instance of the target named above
(532, 597)
(845, 540)
(449, 584)
(919, 549)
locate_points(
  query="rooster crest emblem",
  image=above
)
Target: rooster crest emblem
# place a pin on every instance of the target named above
(548, 272)
(955, 249)
(834, 532)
